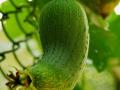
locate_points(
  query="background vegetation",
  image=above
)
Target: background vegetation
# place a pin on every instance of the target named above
(20, 46)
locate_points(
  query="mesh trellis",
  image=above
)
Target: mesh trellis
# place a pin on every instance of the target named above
(16, 44)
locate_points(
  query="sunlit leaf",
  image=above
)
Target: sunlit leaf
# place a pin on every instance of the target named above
(16, 24)
(6, 6)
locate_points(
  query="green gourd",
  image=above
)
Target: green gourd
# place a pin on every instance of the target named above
(65, 41)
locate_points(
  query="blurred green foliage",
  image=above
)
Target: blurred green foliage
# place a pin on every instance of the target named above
(91, 79)
(104, 38)
(114, 27)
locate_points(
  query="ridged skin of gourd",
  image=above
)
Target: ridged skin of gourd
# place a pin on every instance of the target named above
(65, 41)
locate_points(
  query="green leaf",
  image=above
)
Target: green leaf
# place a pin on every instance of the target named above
(15, 24)
(114, 27)
(20, 2)
(102, 45)
(12, 27)
(7, 6)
